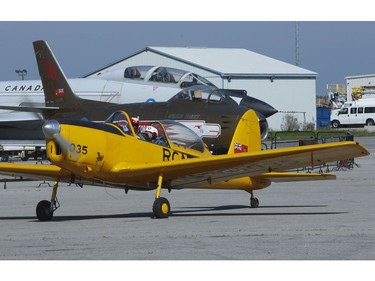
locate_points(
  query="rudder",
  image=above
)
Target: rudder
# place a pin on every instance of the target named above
(247, 136)
(57, 90)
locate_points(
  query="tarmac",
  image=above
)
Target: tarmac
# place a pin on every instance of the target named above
(326, 220)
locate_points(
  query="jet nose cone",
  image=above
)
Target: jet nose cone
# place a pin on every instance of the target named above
(264, 129)
(259, 106)
(50, 128)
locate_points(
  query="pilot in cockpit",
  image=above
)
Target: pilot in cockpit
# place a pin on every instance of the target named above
(132, 72)
(162, 75)
(197, 95)
(152, 135)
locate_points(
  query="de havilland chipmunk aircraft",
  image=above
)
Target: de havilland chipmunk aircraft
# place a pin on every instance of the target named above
(209, 111)
(112, 154)
(135, 84)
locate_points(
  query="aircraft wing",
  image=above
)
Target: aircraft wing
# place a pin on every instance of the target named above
(270, 164)
(42, 172)
(203, 171)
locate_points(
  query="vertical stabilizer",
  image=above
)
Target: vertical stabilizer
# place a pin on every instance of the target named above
(246, 137)
(57, 90)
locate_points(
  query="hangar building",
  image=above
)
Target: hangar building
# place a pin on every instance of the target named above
(365, 84)
(288, 88)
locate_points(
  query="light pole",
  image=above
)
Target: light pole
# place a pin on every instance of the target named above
(21, 73)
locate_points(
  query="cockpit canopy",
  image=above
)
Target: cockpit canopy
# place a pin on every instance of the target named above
(201, 93)
(173, 131)
(181, 78)
(121, 120)
(148, 73)
(181, 135)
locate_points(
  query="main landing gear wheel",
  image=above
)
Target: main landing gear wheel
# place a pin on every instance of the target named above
(254, 202)
(161, 208)
(45, 209)
(44, 212)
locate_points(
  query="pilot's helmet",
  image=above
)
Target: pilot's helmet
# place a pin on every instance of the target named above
(153, 130)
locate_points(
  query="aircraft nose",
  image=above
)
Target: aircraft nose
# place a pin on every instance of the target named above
(264, 128)
(259, 106)
(50, 128)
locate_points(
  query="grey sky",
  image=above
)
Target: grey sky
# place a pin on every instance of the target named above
(332, 49)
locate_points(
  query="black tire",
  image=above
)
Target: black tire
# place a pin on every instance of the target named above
(44, 211)
(5, 158)
(254, 202)
(370, 122)
(335, 124)
(161, 208)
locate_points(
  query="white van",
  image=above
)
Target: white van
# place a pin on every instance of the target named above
(360, 112)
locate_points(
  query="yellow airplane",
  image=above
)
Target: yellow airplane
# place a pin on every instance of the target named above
(113, 154)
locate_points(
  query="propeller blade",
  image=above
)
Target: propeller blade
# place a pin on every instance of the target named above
(62, 142)
(51, 130)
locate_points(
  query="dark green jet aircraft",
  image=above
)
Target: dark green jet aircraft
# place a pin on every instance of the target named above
(208, 111)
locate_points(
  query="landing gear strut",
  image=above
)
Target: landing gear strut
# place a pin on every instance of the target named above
(45, 209)
(161, 207)
(254, 202)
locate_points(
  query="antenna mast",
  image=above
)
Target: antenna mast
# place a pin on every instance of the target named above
(297, 43)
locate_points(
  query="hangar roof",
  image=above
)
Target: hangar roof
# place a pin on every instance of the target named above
(361, 76)
(234, 62)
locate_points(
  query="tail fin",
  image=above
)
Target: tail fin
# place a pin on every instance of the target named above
(246, 137)
(57, 90)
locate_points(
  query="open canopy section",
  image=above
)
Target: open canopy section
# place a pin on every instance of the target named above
(167, 75)
(181, 135)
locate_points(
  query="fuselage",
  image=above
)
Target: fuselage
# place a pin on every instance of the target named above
(213, 116)
(106, 154)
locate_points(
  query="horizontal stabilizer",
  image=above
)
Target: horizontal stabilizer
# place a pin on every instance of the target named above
(39, 109)
(45, 111)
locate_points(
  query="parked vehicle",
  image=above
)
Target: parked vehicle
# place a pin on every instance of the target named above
(361, 112)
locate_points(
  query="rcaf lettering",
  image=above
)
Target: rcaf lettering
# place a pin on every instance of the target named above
(184, 116)
(168, 155)
(24, 88)
(192, 116)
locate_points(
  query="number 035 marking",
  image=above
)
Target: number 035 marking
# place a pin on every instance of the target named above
(77, 148)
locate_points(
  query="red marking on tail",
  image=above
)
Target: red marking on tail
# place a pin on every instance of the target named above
(59, 93)
(239, 148)
(50, 70)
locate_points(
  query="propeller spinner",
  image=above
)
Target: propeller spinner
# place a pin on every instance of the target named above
(51, 130)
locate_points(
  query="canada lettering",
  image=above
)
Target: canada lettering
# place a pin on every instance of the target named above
(24, 88)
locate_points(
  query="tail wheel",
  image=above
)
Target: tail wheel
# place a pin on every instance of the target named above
(44, 212)
(161, 208)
